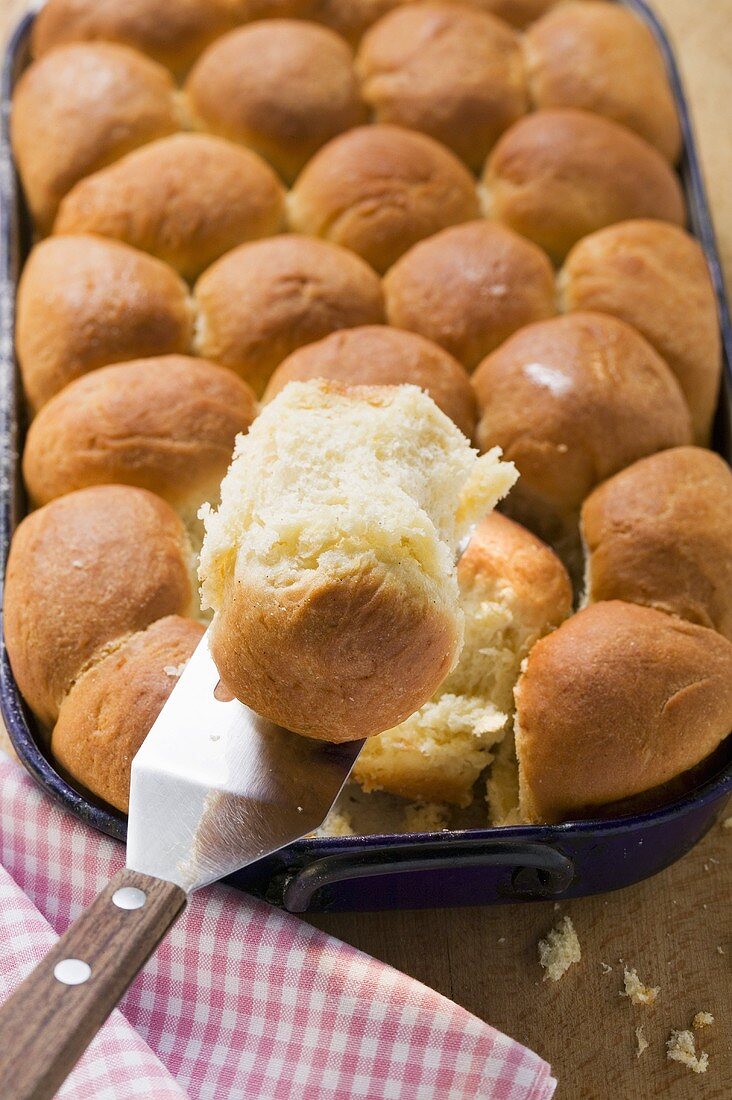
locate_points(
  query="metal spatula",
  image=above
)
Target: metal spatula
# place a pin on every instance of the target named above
(214, 788)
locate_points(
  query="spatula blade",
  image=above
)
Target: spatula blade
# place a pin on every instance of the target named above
(216, 787)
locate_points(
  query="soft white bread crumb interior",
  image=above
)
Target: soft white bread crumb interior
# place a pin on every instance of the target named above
(513, 590)
(358, 496)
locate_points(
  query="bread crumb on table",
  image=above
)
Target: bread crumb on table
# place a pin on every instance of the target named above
(680, 1047)
(641, 1041)
(559, 950)
(639, 994)
(727, 823)
(702, 1019)
(606, 968)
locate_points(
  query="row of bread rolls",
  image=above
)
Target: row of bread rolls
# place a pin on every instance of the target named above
(636, 689)
(84, 302)
(378, 190)
(175, 35)
(615, 702)
(285, 89)
(98, 614)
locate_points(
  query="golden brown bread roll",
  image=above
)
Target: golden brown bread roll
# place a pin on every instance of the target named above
(572, 401)
(379, 189)
(660, 534)
(79, 108)
(330, 563)
(618, 701)
(111, 708)
(376, 355)
(350, 18)
(84, 302)
(655, 277)
(263, 300)
(603, 58)
(469, 288)
(84, 572)
(281, 87)
(165, 424)
(246, 11)
(513, 590)
(173, 34)
(186, 199)
(519, 13)
(452, 72)
(556, 176)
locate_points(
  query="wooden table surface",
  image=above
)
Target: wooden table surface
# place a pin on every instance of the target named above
(676, 928)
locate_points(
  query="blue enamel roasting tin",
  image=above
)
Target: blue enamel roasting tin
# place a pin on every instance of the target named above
(461, 867)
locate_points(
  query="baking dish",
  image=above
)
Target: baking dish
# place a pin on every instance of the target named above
(459, 867)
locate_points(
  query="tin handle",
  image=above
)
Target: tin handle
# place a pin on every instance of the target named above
(538, 870)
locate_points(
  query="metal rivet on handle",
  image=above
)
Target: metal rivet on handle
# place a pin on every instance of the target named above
(72, 972)
(129, 897)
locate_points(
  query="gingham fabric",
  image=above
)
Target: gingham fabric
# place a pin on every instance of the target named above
(241, 1001)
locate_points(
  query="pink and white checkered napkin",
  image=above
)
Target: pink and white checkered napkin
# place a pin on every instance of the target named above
(241, 1001)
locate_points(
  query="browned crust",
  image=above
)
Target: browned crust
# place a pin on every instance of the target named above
(379, 189)
(288, 652)
(111, 708)
(571, 401)
(84, 303)
(601, 57)
(469, 288)
(375, 355)
(173, 34)
(83, 573)
(558, 175)
(447, 70)
(63, 128)
(501, 548)
(660, 534)
(186, 199)
(283, 87)
(263, 300)
(617, 701)
(655, 277)
(350, 18)
(165, 424)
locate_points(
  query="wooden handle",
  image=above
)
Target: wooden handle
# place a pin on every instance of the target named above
(48, 1022)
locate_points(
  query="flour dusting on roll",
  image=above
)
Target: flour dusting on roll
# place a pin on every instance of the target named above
(330, 563)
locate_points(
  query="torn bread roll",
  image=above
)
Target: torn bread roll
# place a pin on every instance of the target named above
(113, 704)
(173, 34)
(186, 199)
(616, 703)
(84, 302)
(469, 288)
(513, 590)
(558, 175)
(263, 300)
(447, 70)
(571, 401)
(379, 189)
(660, 533)
(330, 563)
(165, 424)
(281, 87)
(79, 108)
(377, 355)
(603, 58)
(84, 573)
(655, 276)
